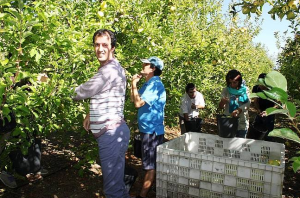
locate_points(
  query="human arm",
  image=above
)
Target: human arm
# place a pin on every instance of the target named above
(186, 117)
(258, 109)
(256, 105)
(91, 87)
(223, 102)
(256, 89)
(199, 101)
(135, 97)
(236, 112)
(184, 109)
(86, 122)
(200, 106)
(224, 99)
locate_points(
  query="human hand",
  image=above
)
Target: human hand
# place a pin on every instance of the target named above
(86, 122)
(225, 100)
(193, 106)
(263, 114)
(135, 79)
(236, 112)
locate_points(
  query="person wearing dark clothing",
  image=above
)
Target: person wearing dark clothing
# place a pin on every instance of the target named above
(265, 122)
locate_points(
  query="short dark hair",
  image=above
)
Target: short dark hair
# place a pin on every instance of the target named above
(232, 74)
(262, 75)
(157, 72)
(189, 86)
(104, 32)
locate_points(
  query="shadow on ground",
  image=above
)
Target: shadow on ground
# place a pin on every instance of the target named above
(63, 180)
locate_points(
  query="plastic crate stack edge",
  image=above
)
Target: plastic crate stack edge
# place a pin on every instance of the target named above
(205, 165)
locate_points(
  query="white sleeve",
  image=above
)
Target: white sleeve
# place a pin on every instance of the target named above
(199, 100)
(183, 106)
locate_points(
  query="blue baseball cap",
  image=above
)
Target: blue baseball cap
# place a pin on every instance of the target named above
(154, 61)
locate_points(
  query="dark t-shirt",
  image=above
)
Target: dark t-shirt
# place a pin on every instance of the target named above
(263, 103)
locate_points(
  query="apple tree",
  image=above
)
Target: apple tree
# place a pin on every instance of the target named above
(46, 50)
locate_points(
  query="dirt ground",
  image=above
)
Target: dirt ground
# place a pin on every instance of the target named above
(63, 180)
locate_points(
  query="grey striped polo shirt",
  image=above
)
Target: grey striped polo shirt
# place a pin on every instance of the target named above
(107, 92)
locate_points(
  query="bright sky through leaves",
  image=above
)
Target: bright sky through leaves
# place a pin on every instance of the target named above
(269, 26)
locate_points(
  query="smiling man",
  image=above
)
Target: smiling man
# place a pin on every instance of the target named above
(106, 90)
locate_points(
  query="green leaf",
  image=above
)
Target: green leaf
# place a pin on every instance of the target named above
(276, 94)
(42, 15)
(81, 172)
(26, 34)
(261, 95)
(2, 88)
(38, 57)
(24, 150)
(35, 114)
(40, 127)
(21, 76)
(273, 110)
(292, 108)
(276, 79)
(294, 158)
(5, 110)
(31, 23)
(261, 81)
(57, 101)
(286, 134)
(24, 109)
(296, 164)
(253, 95)
(281, 15)
(16, 132)
(4, 62)
(4, 2)
(2, 15)
(21, 4)
(32, 52)
(91, 161)
(56, 126)
(14, 12)
(38, 25)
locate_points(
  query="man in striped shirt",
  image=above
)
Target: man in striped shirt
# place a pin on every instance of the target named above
(106, 90)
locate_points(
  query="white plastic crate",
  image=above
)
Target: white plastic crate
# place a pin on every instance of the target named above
(205, 165)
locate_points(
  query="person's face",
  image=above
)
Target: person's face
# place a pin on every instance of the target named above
(233, 83)
(104, 51)
(192, 93)
(146, 69)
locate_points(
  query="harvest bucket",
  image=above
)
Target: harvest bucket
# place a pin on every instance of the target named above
(193, 125)
(256, 132)
(258, 129)
(227, 126)
(30, 163)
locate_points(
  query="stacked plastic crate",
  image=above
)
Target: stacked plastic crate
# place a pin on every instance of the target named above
(204, 165)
